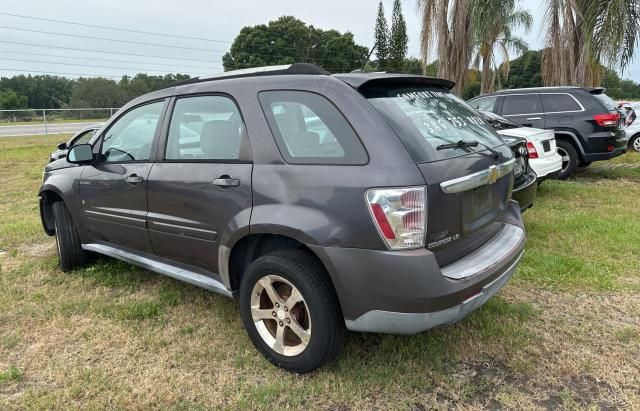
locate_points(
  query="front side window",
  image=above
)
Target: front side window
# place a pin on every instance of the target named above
(205, 128)
(131, 136)
(521, 104)
(484, 103)
(309, 129)
(554, 103)
(426, 118)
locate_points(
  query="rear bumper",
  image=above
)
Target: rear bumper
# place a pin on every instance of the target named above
(525, 194)
(406, 292)
(605, 156)
(546, 166)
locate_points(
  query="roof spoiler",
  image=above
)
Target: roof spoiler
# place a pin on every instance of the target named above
(364, 81)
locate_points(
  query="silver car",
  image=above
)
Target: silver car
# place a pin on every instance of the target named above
(81, 137)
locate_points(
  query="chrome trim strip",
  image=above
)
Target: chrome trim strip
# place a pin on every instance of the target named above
(486, 257)
(478, 179)
(177, 273)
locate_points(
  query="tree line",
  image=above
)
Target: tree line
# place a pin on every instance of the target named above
(44, 91)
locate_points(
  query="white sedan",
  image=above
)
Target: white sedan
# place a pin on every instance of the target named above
(632, 125)
(541, 144)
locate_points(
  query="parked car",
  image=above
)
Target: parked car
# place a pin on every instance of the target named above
(587, 125)
(525, 184)
(361, 201)
(633, 125)
(81, 137)
(540, 144)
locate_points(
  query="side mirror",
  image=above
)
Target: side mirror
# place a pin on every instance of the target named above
(80, 154)
(62, 146)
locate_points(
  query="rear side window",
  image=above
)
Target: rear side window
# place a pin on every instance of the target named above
(205, 128)
(309, 129)
(484, 103)
(521, 104)
(554, 103)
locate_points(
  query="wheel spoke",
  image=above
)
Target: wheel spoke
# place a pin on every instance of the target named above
(261, 314)
(294, 298)
(278, 345)
(271, 292)
(303, 334)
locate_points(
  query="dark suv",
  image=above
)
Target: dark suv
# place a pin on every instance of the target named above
(369, 202)
(587, 125)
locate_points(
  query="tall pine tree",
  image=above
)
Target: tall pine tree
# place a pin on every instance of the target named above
(398, 43)
(382, 39)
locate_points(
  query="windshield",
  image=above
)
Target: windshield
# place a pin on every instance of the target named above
(428, 117)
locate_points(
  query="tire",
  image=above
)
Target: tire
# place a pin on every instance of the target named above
(317, 314)
(70, 252)
(570, 159)
(634, 143)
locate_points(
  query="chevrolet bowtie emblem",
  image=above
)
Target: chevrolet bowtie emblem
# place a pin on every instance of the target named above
(493, 174)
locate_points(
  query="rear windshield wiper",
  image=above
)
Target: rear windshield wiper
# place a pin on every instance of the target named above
(459, 144)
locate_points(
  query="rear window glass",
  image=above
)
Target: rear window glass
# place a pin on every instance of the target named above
(521, 104)
(428, 117)
(309, 129)
(554, 103)
(607, 101)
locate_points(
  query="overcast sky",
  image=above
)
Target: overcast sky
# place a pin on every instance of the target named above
(194, 18)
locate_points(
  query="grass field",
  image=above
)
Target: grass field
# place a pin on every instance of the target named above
(564, 333)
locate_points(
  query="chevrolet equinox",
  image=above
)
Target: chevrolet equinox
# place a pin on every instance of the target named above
(363, 201)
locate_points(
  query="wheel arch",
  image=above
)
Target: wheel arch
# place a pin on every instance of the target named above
(252, 246)
(571, 138)
(48, 196)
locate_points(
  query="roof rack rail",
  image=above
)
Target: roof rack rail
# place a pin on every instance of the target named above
(295, 68)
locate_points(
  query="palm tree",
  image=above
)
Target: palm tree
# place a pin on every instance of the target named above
(583, 35)
(493, 23)
(455, 28)
(447, 27)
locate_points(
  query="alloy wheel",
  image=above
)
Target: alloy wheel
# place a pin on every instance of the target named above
(281, 316)
(636, 144)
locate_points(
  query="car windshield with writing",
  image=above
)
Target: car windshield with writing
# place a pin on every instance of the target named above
(433, 123)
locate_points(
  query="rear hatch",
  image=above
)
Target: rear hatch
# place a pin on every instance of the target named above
(466, 166)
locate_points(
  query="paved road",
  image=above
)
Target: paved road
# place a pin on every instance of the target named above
(37, 129)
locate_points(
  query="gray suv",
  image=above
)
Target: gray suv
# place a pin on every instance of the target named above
(368, 202)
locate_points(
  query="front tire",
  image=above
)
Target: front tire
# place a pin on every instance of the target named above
(70, 252)
(570, 159)
(290, 310)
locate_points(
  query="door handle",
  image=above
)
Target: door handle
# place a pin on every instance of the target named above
(226, 181)
(134, 179)
(534, 118)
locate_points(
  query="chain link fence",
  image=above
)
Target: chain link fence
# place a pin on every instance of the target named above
(50, 121)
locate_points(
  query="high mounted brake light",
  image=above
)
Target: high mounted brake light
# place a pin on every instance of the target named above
(400, 215)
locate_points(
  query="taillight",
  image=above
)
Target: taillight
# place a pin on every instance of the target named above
(607, 120)
(533, 153)
(399, 215)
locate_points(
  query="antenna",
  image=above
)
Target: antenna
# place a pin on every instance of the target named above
(369, 56)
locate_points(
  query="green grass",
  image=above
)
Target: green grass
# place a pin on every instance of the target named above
(111, 335)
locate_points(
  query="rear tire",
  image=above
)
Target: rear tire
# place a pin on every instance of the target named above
(570, 159)
(297, 336)
(70, 252)
(634, 143)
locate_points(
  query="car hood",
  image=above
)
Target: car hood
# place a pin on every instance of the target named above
(58, 164)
